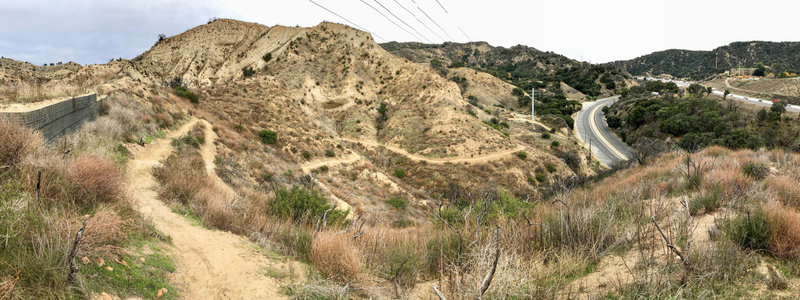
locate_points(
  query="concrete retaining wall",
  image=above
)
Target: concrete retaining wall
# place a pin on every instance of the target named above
(58, 118)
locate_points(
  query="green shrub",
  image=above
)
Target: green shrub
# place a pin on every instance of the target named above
(555, 144)
(540, 177)
(401, 264)
(531, 180)
(268, 136)
(551, 168)
(443, 249)
(751, 230)
(397, 202)
(303, 205)
(322, 169)
(182, 91)
(522, 155)
(267, 57)
(399, 173)
(248, 72)
(306, 154)
(755, 170)
(546, 135)
(329, 153)
(709, 202)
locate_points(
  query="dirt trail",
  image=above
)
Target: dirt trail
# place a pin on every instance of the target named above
(209, 264)
(415, 157)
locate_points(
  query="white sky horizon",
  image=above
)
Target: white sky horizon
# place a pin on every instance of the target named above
(94, 31)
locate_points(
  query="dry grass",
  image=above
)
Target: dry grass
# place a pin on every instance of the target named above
(15, 142)
(97, 180)
(786, 188)
(786, 240)
(26, 92)
(336, 256)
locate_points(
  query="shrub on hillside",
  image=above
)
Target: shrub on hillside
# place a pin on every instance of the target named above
(397, 202)
(522, 155)
(303, 205)
(164, 120)
(268, 136)
(182, 91)
(335, 256)
(248, 72)
(15, 142)
(181, 177)
(399, 173)
(751, 230)
(96, 180)
(786, 241)
(443, 250)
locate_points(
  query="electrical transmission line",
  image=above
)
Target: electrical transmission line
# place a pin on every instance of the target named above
(434, 23)
(418, 20)
(393, 22)
(465, 34)
(348, 21)
(401, 20)
(442, 6)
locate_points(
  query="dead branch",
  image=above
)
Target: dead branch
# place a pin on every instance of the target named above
(352, 224)
(360, 232)
(324, 220)
(438, 293)
(489, 276)
(73, 266)
(669, 243)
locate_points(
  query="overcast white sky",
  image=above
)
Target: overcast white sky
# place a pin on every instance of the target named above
(93, 31)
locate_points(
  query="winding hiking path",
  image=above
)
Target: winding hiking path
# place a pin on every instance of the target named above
(456, 159)
(209, 264)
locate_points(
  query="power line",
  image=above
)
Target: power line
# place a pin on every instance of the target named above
(465, 34)
(437, 24)
(418, 20)
(390, 20)
(401, 20)
(348, 21)
(442, 6)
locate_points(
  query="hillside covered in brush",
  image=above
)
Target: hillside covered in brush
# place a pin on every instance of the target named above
(523, 66)
(782, 56)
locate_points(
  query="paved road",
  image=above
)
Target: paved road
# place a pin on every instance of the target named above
(592, 129)
(749, 100)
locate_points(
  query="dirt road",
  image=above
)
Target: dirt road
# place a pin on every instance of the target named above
(483, 158)
(210, 264)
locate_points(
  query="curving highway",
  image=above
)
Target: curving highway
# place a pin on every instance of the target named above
(592, 129)
(745, 99)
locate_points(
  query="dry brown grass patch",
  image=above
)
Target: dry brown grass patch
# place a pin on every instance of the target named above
(15, 142)
(787, 189)
(336, 256)
(96, 180)
(786, 241)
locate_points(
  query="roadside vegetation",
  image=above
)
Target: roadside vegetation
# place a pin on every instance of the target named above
(692, 120)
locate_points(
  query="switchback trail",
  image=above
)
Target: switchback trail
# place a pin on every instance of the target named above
(456, 159)
(210, 264)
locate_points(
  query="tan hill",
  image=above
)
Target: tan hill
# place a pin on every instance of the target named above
(322, 91)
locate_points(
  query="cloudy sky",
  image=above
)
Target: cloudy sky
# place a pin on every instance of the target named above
(94, 31)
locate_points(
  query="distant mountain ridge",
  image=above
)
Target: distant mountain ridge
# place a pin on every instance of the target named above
(523, 66)
(701, 64)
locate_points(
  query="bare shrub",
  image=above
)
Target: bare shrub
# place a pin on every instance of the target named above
(164, 119)
(336, 256)
(181, 178)
(103, 230)
(96, 180)
(787, 189)
(15, 142)
(786, 240)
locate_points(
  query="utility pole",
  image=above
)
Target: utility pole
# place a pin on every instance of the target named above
(533, 100)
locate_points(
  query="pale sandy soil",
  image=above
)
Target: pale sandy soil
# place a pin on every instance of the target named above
(210, 264)
(455, 159)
